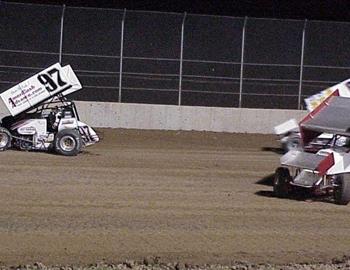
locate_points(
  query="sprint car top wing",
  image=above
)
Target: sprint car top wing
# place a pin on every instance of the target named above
(343, 89)
(289, 126)
(331, 116)
(48, 83)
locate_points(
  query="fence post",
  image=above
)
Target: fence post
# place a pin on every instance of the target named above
(181, 56)
(121, 58)
(301, 65)
(61, 34)
(242, 63)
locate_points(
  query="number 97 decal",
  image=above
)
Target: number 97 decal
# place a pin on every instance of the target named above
(51, 80)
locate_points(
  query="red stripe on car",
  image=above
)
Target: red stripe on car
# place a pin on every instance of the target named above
(325, 164)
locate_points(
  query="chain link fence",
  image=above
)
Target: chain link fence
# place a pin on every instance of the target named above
(171, 58)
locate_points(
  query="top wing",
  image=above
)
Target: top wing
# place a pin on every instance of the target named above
(343, 89)
(48, 83)
(72, 79)
(288, 126)
(331, 116)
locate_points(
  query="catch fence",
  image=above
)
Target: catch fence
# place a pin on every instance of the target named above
(171, 58)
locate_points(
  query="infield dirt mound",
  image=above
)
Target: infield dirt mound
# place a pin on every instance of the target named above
(195, 197)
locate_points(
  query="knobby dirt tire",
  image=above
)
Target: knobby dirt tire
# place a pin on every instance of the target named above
(5, 139)
(342, 190)
(68, 142)
(281, 182)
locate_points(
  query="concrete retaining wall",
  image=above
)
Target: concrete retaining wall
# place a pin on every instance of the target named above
(166, 117)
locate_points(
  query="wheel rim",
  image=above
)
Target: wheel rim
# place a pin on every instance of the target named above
(4, 139)
(67, 143)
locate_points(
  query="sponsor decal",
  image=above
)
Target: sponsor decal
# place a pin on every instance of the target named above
(47, 83)
(27, 130)
(343, 88)
(315, 100)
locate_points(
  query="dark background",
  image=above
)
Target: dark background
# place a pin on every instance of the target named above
(30, 39)
(333, 10)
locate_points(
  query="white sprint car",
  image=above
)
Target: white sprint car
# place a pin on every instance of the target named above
(42, 118)
(321, 170)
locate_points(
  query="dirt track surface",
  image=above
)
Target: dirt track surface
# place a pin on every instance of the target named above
(183, 196)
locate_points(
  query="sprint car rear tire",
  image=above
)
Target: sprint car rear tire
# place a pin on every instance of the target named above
(281, 182)
(68, 142)
(5, 139)
(342, 189)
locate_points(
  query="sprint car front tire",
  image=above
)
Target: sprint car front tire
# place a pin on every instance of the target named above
(281, 182)
(68, 142)
(342, 189)
(5, 139)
